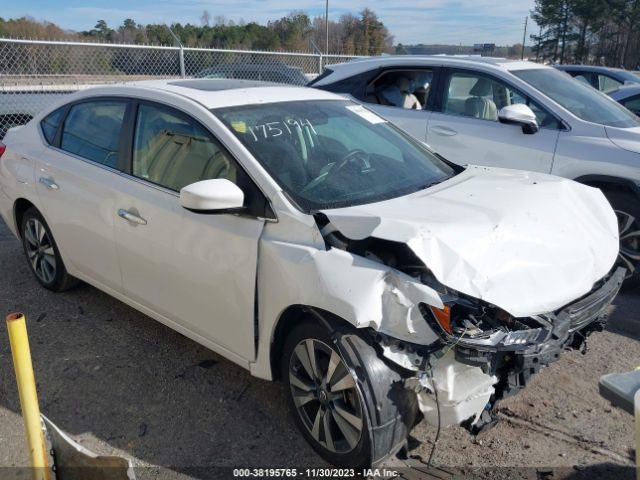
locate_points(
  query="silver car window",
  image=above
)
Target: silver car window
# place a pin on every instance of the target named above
(583, 101)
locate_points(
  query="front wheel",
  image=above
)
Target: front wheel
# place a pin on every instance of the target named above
(349, 405)
(627, 210)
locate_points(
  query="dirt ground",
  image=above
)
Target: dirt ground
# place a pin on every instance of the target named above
(121, 383)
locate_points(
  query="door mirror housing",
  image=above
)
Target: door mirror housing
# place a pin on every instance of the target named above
(212, 196)
(519, 114)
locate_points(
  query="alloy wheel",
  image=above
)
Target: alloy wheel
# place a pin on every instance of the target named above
(325, 396)
(629, 232)
(39, 248)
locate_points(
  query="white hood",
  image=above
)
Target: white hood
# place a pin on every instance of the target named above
(625, 138)
(526, 242)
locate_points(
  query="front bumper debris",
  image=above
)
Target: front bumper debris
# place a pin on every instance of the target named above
(471, 377)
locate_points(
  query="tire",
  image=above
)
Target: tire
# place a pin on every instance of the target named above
(627, 209)
(361, 391)
(43, 256)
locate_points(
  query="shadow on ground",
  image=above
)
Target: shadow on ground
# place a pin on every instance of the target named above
(106, 371)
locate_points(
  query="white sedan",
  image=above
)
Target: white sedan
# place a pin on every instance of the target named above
(304, 237)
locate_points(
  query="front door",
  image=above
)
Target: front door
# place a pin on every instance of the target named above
(197, 271)
(467, 130)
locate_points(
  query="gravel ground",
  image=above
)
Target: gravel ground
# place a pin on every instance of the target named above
(122, 383)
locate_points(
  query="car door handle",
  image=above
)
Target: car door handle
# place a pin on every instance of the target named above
(131, 217)
(446, 131)
(49, 183)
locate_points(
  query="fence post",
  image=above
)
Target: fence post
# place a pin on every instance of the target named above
(320, 64)
(181, 54)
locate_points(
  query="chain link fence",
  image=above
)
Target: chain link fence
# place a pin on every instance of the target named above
(34, 73)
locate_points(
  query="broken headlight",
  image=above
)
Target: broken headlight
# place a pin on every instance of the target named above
(467, 320)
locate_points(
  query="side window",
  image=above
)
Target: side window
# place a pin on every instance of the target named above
(585, 77)
(607, 84)
(92, 130)
(401, 88)
(479, 96)
(50, 124)
(633, 104)
(173, 152)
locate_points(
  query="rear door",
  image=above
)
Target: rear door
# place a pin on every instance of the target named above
(401, 95)
(194, 271)
(465, 128)
(75, 178)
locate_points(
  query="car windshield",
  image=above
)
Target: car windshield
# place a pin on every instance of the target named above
(333, 153)
(579, 98)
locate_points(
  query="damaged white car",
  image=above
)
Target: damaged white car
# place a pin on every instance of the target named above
(303, 237)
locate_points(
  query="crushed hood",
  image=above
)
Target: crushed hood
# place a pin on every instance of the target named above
(625, 138)
(526, 242)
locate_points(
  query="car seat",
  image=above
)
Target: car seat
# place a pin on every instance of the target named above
(478, 105)
(409, 100)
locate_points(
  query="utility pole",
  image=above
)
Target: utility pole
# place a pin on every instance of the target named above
(524, 36)
(539, 44)
(326, 26)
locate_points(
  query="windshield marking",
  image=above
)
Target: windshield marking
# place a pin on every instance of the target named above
(267, 130)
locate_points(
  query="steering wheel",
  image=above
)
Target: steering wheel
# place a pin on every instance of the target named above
(335, 168)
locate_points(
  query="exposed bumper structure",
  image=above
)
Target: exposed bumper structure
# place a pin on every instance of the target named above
(467, 377)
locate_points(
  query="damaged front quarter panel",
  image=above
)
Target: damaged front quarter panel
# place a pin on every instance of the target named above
(406, 273)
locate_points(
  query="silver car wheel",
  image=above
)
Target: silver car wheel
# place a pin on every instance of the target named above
(39, 250)
(325, 396)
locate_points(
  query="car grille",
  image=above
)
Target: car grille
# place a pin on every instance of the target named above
(593, 306)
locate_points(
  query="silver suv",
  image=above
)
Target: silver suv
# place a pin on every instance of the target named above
(496, 112)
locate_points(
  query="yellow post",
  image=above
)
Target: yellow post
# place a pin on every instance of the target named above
(28, 395)
(636, 400)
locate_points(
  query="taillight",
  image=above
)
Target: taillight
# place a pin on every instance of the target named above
(3, 148)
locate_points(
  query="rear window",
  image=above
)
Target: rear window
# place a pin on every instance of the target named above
(50, 124)
(92, 130)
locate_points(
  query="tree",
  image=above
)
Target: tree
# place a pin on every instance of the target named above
(362, 35)
(205, 18)
(588, 31)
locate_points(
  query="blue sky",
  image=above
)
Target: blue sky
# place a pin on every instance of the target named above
(410, 21)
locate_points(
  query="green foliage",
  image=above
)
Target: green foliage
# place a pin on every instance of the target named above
(603, 32)
(361, 35)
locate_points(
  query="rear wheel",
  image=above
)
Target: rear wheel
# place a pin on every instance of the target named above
(42, 253)
(349, 405)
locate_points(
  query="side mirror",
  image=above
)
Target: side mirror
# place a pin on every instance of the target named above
(519, 114)
(212, 196)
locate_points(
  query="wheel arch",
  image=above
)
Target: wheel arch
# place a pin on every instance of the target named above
(20, 206)
(611, 183)
(392, 410)
(291, 316)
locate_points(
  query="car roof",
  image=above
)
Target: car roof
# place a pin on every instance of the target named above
(254, 66)
(218, 93)
(625, 91)
(589, 68)
(444, 59)
(358, 65)
(619, 74)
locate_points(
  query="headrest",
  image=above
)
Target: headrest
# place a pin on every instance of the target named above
(481, 88)
(404, 84)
